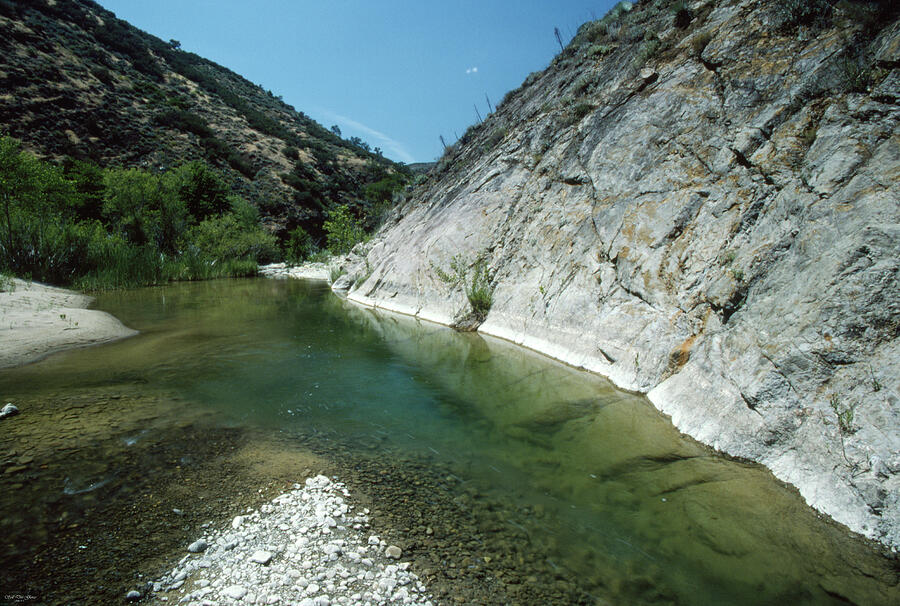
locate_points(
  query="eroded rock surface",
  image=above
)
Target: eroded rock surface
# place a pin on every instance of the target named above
(716, 225)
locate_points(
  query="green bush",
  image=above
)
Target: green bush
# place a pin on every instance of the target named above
(224, 237)
(299, 246)
(122, 228)
(475, 281)
(647, 50)
(342, 231)
(809, 13)
(497, 135)
(202, 189)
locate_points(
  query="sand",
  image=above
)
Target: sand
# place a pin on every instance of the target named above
(37, 320)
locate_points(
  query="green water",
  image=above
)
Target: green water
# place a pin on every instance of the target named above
(616, 499)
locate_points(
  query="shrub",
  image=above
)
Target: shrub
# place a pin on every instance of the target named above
(683, 15)
(809, 13)
(700, 42)
(856, 75)
(202, 190)
(497, 135)
(597, 51)
(223, 238)
(475, 280)
(342, 231)
(479, 291)
(647, 50)
(299, 246)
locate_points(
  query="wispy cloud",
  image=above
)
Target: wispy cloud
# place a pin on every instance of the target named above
(472, 70)
(374, 137)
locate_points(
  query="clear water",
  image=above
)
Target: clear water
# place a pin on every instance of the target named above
(621, 500)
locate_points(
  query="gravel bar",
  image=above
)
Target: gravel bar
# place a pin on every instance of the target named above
(307, 547)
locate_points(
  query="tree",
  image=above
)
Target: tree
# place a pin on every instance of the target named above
(342, 230)
(174, 43)
(146, 208)
(202, 190)
(336, 129)
(360, 143)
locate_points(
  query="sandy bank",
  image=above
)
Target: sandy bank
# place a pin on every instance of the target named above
(37, 320)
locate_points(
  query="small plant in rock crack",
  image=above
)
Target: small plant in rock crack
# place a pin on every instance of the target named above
(365, 275)
(844, 414)
(335, 272)
(475, 280)
(876, 384)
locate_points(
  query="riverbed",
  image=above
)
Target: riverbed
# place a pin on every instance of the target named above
(504, 476)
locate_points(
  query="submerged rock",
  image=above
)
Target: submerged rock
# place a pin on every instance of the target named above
(8, 411)
(197, 546)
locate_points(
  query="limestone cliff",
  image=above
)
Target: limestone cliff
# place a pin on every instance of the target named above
(703, 206)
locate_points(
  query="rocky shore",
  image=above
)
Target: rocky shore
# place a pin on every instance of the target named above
(308, 546)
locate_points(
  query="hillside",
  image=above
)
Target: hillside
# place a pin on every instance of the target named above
(701, 201)
(76, 81)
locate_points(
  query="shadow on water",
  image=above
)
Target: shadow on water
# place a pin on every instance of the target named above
(557, 478)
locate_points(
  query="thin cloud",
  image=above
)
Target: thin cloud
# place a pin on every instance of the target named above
(381, 139)
(472, 70)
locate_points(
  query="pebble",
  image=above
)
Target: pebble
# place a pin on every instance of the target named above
(235, 592)
(133, 596)
(261, 557)
(393, 552)
(198, 546)
(9, 410)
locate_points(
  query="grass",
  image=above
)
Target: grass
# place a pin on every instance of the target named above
(6, 283)
(335, 272)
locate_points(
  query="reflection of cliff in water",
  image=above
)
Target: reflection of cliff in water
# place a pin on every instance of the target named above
(615, 473)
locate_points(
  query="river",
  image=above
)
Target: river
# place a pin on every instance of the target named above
(501, 469)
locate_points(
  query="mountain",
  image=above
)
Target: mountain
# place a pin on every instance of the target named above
(701, 201)
(78, 82)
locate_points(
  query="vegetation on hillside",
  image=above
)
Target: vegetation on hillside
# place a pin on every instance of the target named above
(97, 228)
(118, 96)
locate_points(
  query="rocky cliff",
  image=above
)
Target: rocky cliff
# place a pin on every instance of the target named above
(701, 202)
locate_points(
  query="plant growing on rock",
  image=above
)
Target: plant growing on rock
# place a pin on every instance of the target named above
(700, 42)
(475, 280)
(844, 414)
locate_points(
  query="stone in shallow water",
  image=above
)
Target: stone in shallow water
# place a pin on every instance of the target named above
(261, 557)
(8, 411)
(133, 596)
(197, 546)
(393, 552)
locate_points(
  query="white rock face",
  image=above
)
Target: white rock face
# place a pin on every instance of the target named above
(285, 554)
(702, 234)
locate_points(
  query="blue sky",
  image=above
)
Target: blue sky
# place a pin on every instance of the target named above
(396, 73)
